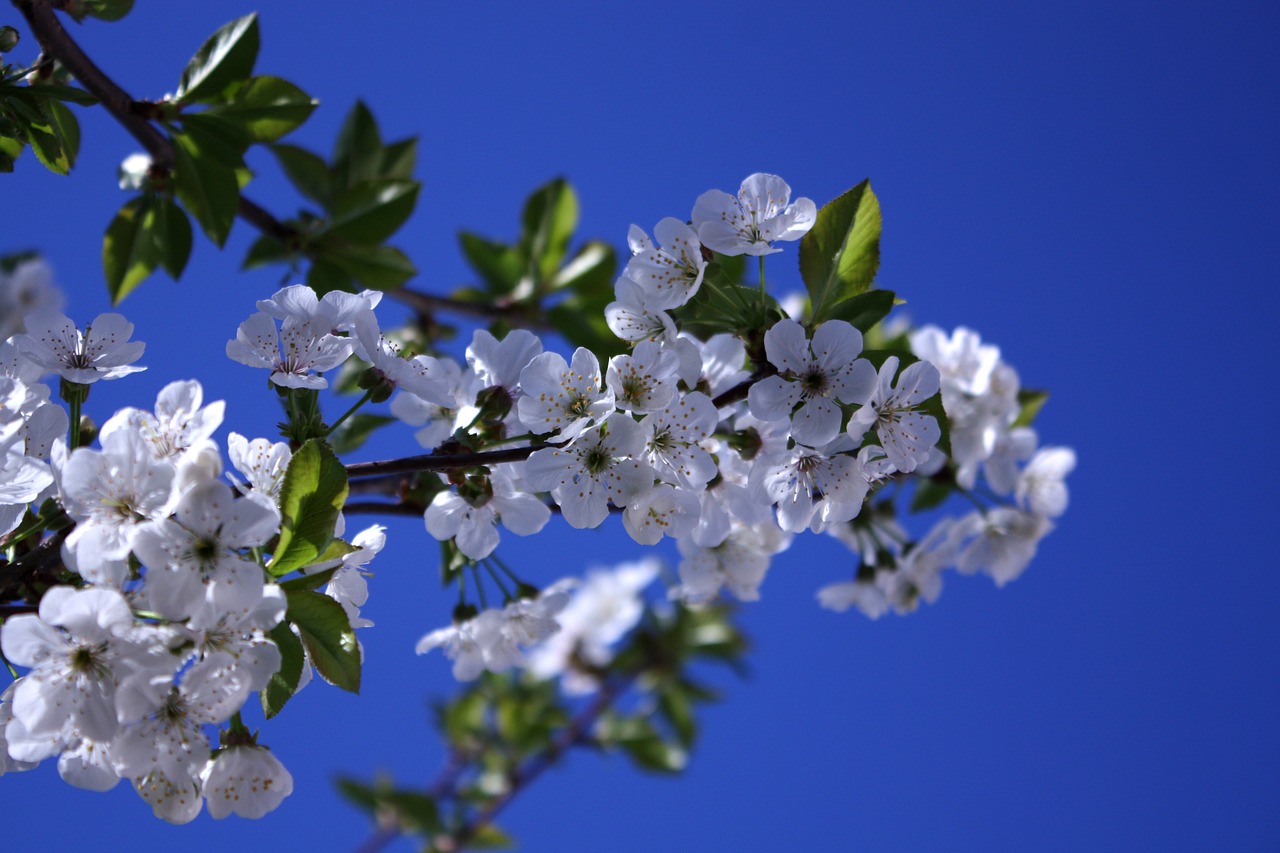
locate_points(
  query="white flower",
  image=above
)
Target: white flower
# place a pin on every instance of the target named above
(176, 801)
(1003, 542)
(670, 275)
(964, 363)
(263, 463)
(466, 643)
(437, 421)
(180, 425)
(110, 493)
(474, 527)
(739, 562)
(906, 434)
(103, 351)
(644, 381)
(75, 670)
(307, 345)
(245, 780)
(592, 471)
(563, 398)
(338, 311)
(810, 489)
(132, 171)
(423, 376)
(634, 319)
(1041, 489)
(501, 362)
(750, 222)
(814, 375)
(193, 556)
(28, 288)
(605, 607)
(672, 440)
(661, 510)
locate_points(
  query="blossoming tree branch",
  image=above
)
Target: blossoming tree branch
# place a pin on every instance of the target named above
(157, 577)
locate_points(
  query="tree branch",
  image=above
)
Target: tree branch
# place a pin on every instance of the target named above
(442, 461)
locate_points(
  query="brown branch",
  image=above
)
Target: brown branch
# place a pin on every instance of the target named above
(515, 313)
(442, 461)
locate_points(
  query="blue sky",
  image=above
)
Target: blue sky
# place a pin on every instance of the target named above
(1092, 187)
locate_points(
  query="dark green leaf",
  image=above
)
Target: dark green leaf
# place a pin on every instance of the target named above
(328, 637)
(59, 92)
(361, 795)
(357, 429)
(108, 10)
(284, 682)
(265, 107)
(307, 171)
(44, 135)
(266, 250)
(656, 754)
(929, 493)
(312, 495)
(211, 137)
(312, 581)
(372, 211)
(170, 231)
(489, 837)
(207, 188)
(865, 309)
(399, 159)
(839, 256)
(63, 122)
(501, 266)
(357, 154)
(226, 57)
(678, 710)
(128, 252)
(550, 215)
(379, 267)
(8, 39)
(324, 277)
(414, 811)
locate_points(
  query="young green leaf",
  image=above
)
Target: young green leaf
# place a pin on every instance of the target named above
(863, 310)
(227, 56)
(328, 637)
(314, 490)
(379, 267)
(501, 266)
(128, 252)
(108, 10)
(839, 256)
(550, 215)
(284, 682)
(265, 107)
(357, 154)
(372, 211)
(171, 234)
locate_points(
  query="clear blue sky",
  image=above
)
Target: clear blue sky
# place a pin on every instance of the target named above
(1091, 185)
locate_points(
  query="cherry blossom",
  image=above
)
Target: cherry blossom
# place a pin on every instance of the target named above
(751, 221)
(563, 398)
(102, 351)
(595, 469)
(670, 273)
(813, 375)
(473, 526)
(246, 780)
(906, 434)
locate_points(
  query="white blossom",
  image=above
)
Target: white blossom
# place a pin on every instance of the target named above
(1042, 488)
(473, 526)
(749, 223)
(562, 397)
(906, 434)
(246, 780)
(597, 468)
(102, 351)
(670, 272)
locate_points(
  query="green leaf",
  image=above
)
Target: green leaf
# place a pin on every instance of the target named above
(64, 124)
(108, 10)
(840, 254)
(312, 581)
(8, 39)
(929, 493)
(226, 57)
(44, 135)
(361, 795)
(489, 837)
(591, 271)
(170, 231)
(215, 138)
(676, 707)
(865, 309)
(328, 637)
(265, 107)
(501, 266)
(656, 754)
(357, 429)
(313, 492)
(10, 148)
(399, 159)
(372, 211)
(266, 250)
(1030, 402)
(307, 171)
(324, 276)
(379, 267)
(357, 154)
(284, 682)
(59, 92)
(207, 188)
(550, 215)
(128, 252)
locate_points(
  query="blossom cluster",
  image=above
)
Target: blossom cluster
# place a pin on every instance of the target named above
(156, 634)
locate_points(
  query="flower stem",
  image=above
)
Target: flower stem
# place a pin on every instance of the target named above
(349, 412)
(762, 293)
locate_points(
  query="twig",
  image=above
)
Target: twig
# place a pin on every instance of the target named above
(442, 461)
